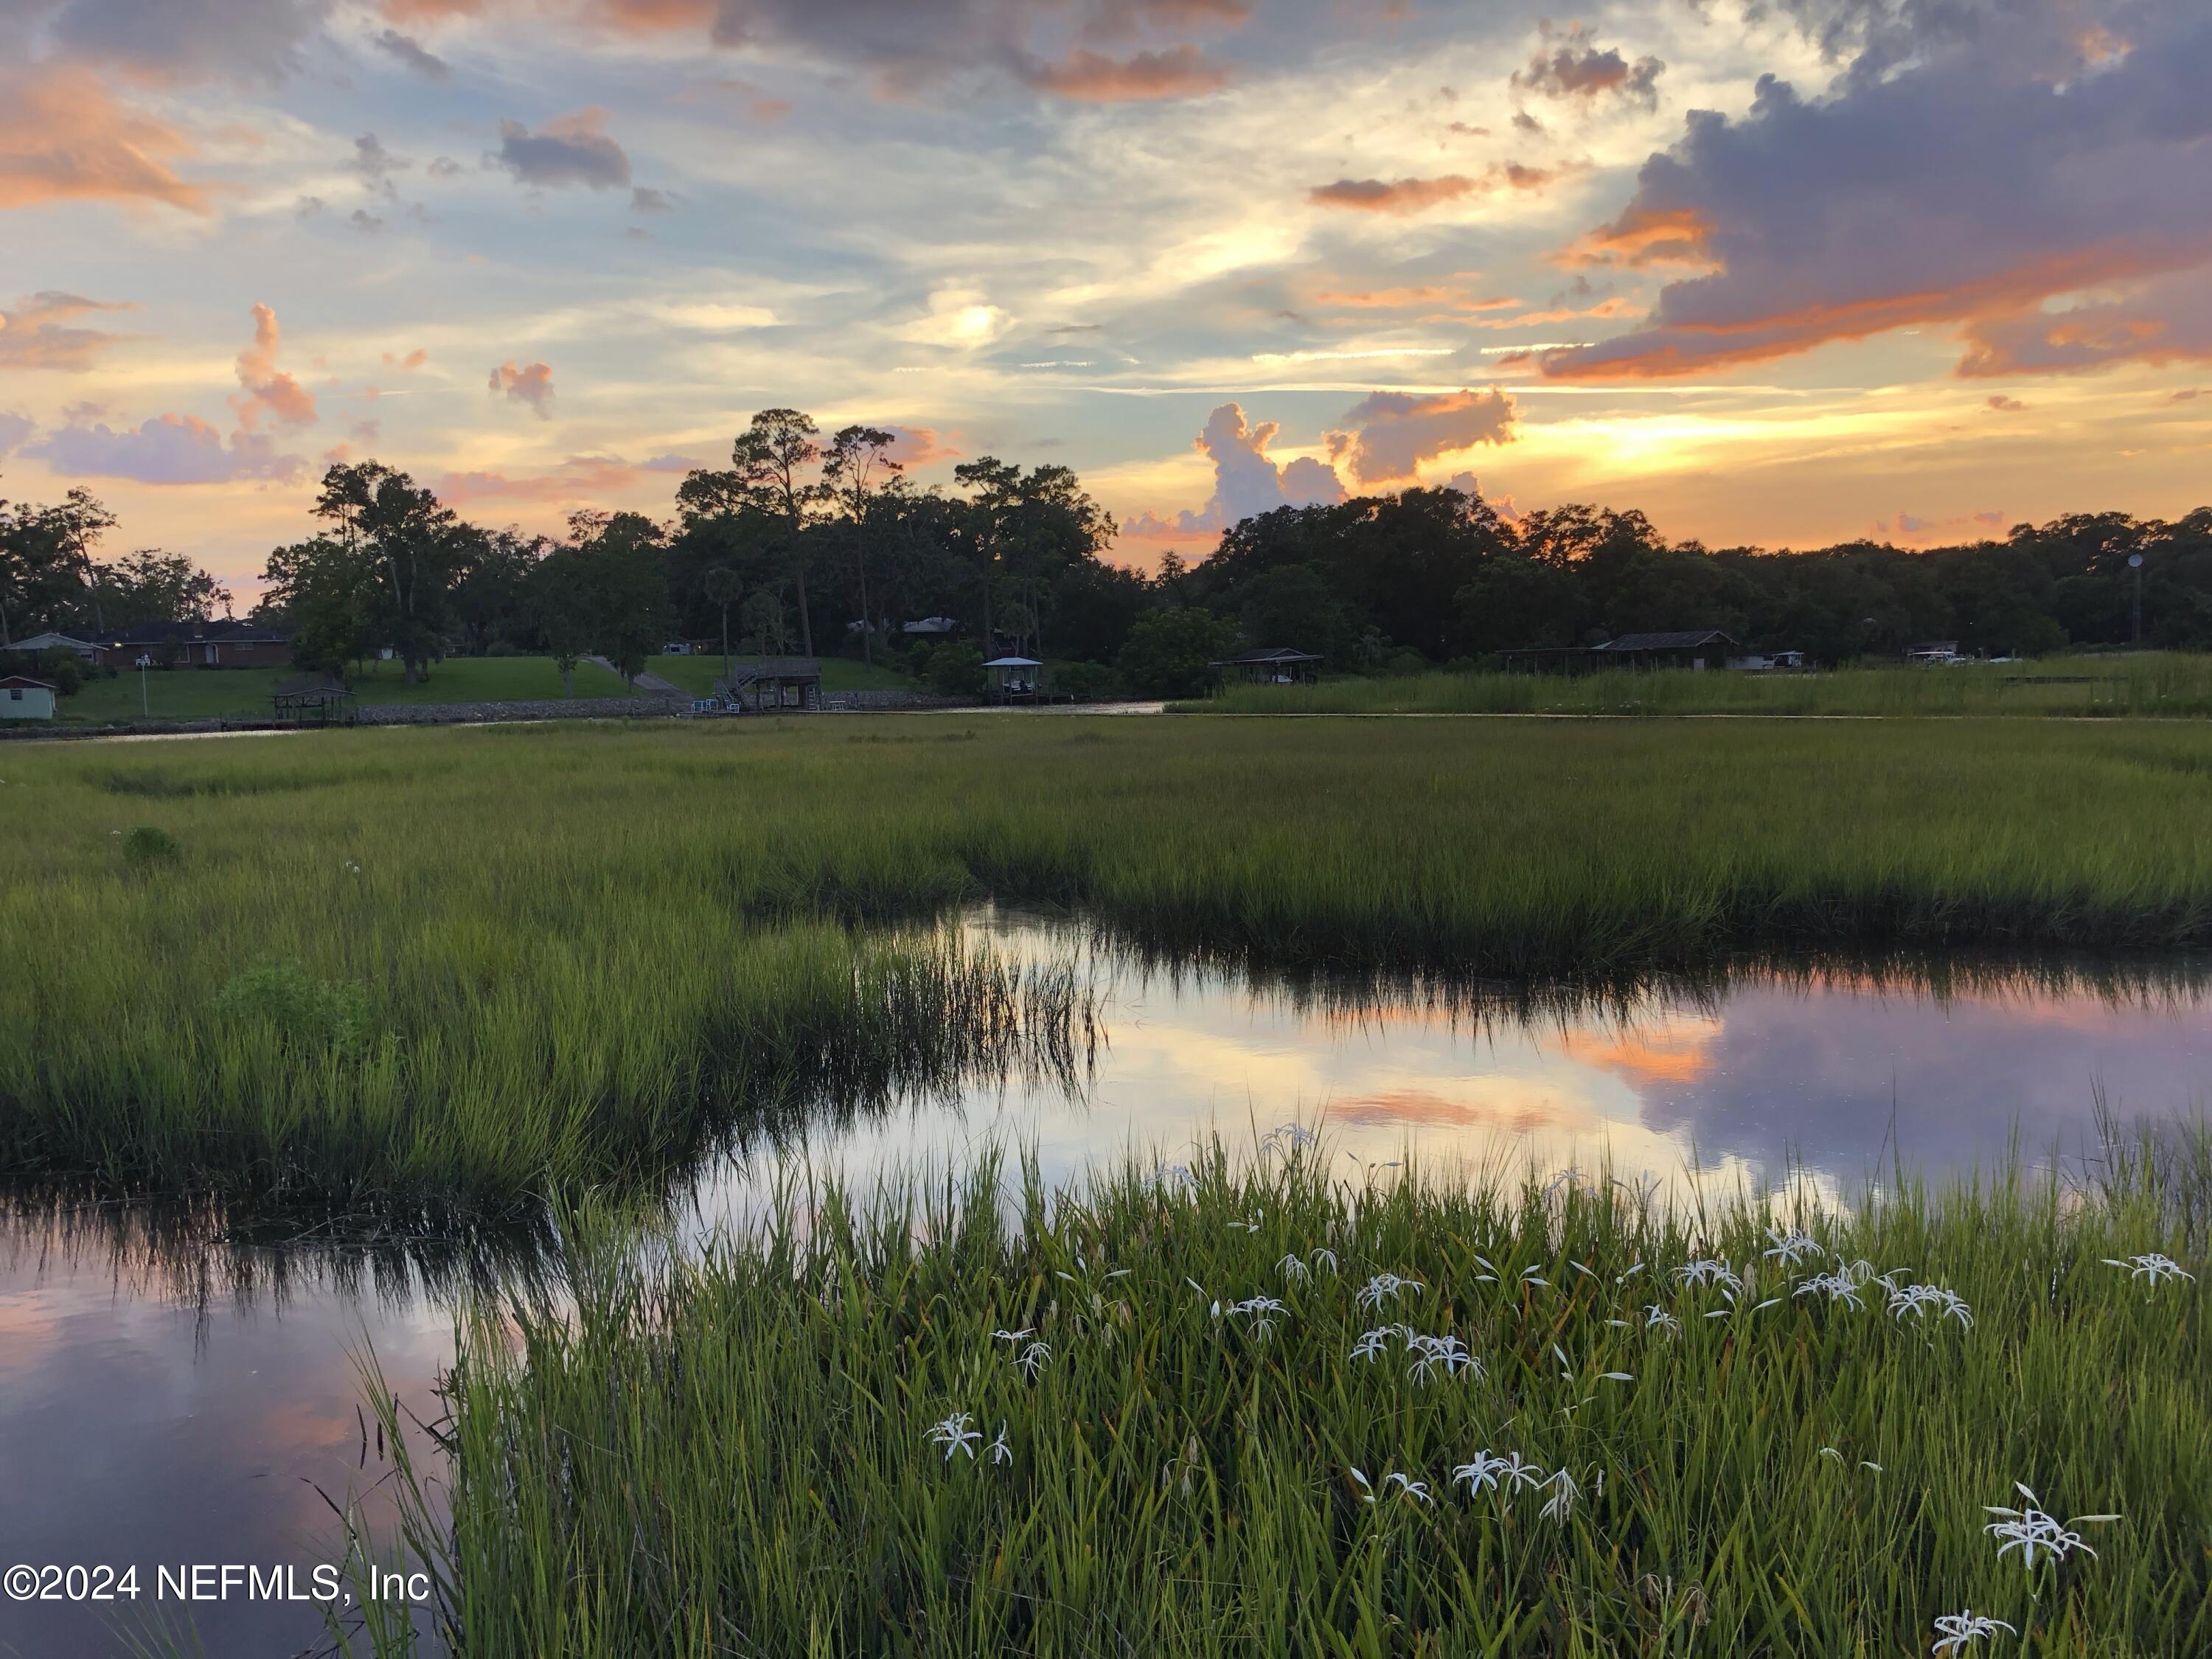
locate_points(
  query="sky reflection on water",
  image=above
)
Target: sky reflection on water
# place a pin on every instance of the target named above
(146, 1417)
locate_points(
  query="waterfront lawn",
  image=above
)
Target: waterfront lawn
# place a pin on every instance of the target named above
(242, 693)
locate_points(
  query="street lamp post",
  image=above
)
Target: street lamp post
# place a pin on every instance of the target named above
(144, 662)
(2136, 564)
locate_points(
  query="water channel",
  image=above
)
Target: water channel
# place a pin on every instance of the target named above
(164, 1403)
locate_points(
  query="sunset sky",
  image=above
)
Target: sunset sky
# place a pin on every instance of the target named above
(1786, 272)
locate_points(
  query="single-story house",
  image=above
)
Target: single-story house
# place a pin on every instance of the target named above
(1277, 665)
(1682, 648)
(37, 642)
(22, 698)
(195, 645)
(930, 628)
(1757, 662)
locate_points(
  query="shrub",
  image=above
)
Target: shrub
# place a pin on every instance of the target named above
(146, 847)
(956, 671)
(1171, 654)
(306, 1013)
(1086, 681)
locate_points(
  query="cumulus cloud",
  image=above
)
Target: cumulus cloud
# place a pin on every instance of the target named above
(532, 385)
(1246, 479)
(1093, 77)
(1985, 182)
(169, 449)
(36, 333)
(14, 429)
(268, 390)
(63, 137)
(570, 149)
(1389, 433)
(1571, 65)
(412, 54)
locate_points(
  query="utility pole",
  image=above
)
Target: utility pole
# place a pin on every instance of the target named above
(143, 660)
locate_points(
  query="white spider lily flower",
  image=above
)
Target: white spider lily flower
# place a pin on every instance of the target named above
(1656, 1318)
(955, 1436)
(2031, 1529)
(1264, 1311)
(1708, 1270)
(1485, 1263)
(1386, 1287)
(1616, 1377)
(1720, 1313)
(1022, 1335)
(1566, 1370)
(1876, 1468)
(1917, 1299)
(1294, 1272)
(1622, 1324)
(1791, 1245)
(1430, 1352)
(1324, 1258)
(1587, 1272)
(1408, 1485)
(1561, 1504)
(1000, 1452)
(1838, 1286)
(1370, 1344)
(1501, 1475)
(1770, 1302)
(2153, 1268)
(1175, 1172)
(1367, 1490)
(1953, 1631)
(1622, 1279)
(1830, 1452)
(1032, 1360)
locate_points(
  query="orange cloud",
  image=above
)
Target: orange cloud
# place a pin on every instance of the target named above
(34, 333)
(919, 446)
(413, 360)
(64, 138)
(1426, 1107)
(1416, 194)
(267, 389)
(1382, 196)
(579, 478)
(1644, 236)
(1397, 299)
(532, 385)
(1615, 306)
(1393, 432)
(1091, 77)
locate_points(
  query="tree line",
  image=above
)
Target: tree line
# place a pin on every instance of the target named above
(813, 542)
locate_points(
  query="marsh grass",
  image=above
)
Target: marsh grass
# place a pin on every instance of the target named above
(587, 952)
(733, 1454)
(2143, 685)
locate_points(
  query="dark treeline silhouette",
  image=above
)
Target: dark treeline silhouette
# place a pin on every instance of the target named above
(820, 543)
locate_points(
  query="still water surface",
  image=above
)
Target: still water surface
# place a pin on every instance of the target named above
(163, 1405)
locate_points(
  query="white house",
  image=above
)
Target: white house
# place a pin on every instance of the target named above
(83, 648)
(22, 698)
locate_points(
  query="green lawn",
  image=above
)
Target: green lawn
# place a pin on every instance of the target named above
(698, 674)
(199, 694)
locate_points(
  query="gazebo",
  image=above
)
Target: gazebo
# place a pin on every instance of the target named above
(1015, 679)
(1279, 665)
(314, 699)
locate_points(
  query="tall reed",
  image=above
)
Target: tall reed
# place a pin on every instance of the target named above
(1276, 1412)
